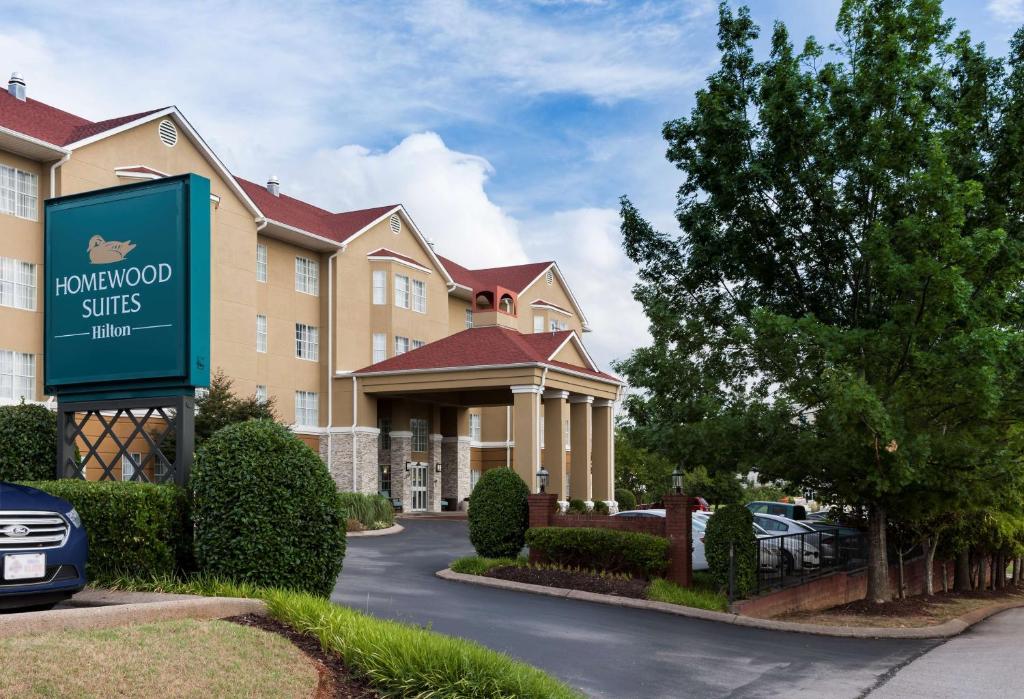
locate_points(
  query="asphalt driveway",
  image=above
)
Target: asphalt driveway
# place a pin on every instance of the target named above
(605, 651)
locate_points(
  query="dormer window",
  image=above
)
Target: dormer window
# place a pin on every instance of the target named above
(507, 305)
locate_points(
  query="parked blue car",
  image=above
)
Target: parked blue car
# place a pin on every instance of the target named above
(43, 548)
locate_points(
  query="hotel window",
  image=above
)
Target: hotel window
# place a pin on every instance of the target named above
(416, 344)
(558, 326)
(419, 434)
(401, 291)
(474, 428)
(384, 480)
(307, 408)
(261, 262)
(261, 333)
(261, 393)
(380, 347)
(384, 425)
(380, 287)
(17, 375)
(538, 324)
(307, 342)
(419, 296)
(469, 317)
(129, 465)
(401, 345)
(474, 478)
(19, 193)
(307, 276)
(17, 284)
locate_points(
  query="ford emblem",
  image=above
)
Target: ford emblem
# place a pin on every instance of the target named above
(16, 530)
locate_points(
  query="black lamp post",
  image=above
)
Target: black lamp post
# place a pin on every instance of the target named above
(677, 479)
(542, 478)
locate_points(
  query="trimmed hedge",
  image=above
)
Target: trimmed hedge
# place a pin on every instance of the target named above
(369, 510)
(609, 550)
(577, 506)
(732, 523)
(28, 443)
(601, 508)
(138, 529)
(625, 498)
(266, 510)
(499, 514)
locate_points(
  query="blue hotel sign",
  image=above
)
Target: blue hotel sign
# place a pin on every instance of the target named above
(128, 290)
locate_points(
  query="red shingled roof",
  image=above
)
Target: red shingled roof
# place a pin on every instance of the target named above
(39, 120)
(384, 252)
(482, 347)
(297, 213)
(515, 277)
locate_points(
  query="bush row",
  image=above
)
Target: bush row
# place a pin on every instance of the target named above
(601, 549)
(133, 528)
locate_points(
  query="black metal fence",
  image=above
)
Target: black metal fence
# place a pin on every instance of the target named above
(791, 559)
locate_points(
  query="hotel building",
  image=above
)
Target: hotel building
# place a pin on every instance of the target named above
(408, 373)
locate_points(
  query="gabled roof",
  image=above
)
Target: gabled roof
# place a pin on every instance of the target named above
(488, 347)
(39, 120)
(548, 304)
(514, 277)
(299, 214)
(386, 254)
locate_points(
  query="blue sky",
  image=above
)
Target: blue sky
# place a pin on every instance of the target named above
(509, 129)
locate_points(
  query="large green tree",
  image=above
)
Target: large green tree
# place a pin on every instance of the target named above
(844, 298)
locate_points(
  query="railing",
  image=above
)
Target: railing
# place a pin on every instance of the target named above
(791, 559)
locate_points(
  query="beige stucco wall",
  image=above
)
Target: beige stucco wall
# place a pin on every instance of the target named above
(21, 239)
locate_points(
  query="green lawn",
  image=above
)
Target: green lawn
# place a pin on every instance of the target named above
(168, 659)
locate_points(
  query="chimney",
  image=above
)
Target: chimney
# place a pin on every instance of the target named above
(16, 86)
(274, 186)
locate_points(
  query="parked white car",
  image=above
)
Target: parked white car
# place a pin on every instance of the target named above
(798, 555)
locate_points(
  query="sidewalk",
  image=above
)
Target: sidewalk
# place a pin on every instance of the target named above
(984, 662)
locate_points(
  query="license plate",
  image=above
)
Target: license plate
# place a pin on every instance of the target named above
(24, 566)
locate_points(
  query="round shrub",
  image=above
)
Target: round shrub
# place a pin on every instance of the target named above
(732, 523)
(266, 510)
(625, 498)
(578, 506)
(499, 514)
(28, 443)
(601, 508)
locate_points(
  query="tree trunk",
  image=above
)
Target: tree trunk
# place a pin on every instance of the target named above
(945, 578)
(878, 560)
(999, 574)
(929, 545)
(962, 572)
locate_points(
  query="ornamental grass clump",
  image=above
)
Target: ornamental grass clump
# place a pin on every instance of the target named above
(266, 510)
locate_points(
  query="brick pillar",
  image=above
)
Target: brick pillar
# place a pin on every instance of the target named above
(542, 508)
(679, 529)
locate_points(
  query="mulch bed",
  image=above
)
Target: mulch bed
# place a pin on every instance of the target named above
(335, 681)
(572, 580)
(920, 605)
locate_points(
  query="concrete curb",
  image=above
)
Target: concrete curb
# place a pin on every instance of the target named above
(947, 629)
(91, 617)
(393, 529)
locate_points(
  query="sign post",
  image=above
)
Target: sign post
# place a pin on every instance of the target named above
(127, 323)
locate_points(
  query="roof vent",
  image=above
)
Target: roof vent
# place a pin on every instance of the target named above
(396, 224)
(274, 185)
(549, 277)
(16, 86)
(168, 134)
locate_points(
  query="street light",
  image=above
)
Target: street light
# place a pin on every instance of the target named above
(677, 479)
(542, 478)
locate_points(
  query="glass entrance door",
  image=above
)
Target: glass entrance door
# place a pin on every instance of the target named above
(418, 473)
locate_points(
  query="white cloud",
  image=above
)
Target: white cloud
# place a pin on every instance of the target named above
(1007, 10)
(441, 188)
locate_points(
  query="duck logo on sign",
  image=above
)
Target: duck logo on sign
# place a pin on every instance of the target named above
(103, 252)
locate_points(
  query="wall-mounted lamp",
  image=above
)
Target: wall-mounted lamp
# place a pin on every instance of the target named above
(437, 467)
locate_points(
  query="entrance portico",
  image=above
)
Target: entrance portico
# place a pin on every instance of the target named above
(417, 404)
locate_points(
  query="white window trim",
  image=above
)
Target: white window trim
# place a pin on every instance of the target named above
(399, 294)
(309, 336)
(262, 395)
(383, 349)
(383, 288)
(404, 341)
(134, 461)
(417, 299)
(11, 180)
(469, 318)
(261, 347)
(261, 264)
(17, 285)
(300, 398)
(420, 434)
(13, 366)
(308, 276)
